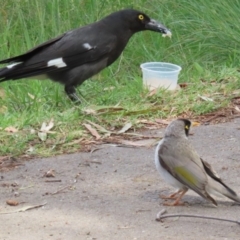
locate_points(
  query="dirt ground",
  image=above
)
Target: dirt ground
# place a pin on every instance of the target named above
(113, 193)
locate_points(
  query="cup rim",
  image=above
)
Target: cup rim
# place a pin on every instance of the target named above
(178, 68)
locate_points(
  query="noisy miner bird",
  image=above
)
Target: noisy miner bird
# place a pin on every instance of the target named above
(180, 165)
(77, 55)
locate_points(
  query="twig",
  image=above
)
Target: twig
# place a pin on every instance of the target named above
(61, 189)
(54, 180)
(163, 211)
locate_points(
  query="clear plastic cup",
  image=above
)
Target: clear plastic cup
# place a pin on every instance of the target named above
(160, 75)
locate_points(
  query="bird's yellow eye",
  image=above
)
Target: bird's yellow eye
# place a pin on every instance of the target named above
(141, 17)
(187, 127)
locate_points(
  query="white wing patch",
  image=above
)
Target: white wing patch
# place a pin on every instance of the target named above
(87, 46)
(58, 62)
(12, 65)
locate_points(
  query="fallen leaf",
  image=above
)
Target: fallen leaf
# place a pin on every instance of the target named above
(11, 129)
(196, 124)
(2, 93)
(108, 88)
(47, 127)
(12, 202)
(24, 209)
(3, 109)
(125, 128)
(183, 85)
(237, 108)
(3, 158)
(97, 110)
(42, 136)
(30, 150)
(32, 131)
(140, 143)
(162, 121)
(236, 92)
(152, 92)
(49, 173)
(100, 128)
(92, 130)
(207, 99)
(31, 96)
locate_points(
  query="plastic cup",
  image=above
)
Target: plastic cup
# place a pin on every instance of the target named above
(160, 75)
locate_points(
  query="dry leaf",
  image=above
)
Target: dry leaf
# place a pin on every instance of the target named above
(237, 108)
(47, 127)
(207, 99)
(3, 109)
(11, 129)
(2, 93)
(236, 92)
(144, 121)
(89, 111)
(152, 92)
(31, 96)
(30, 150)
(92, 130)
(3, 158)
(12, 202)
(97, 110)
(108, 88)
(24, 209)
(183, 85)
(196, 124)
(125, 128)
(32, 131)
(49, 173)
(162, 121)
(100, 128)
(140, 143)
(42, 136)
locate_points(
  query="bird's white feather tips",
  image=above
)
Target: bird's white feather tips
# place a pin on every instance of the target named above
(57, 62)
(12, 65)
(87, 46)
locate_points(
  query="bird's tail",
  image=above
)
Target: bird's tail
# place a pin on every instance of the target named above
(222, 189)
(3, 74)
(8, 73)
(17, 71)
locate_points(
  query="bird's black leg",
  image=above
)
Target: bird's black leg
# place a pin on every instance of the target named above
(71, 92)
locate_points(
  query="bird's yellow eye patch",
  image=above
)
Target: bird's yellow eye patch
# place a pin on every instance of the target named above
(141, 17)
(187, 127)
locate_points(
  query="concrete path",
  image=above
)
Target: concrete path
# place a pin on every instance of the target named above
(113, 193)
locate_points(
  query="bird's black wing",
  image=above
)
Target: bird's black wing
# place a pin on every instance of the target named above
(67, 51)
(32, 51)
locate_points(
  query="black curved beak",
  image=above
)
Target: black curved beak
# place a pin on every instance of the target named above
(156, 26)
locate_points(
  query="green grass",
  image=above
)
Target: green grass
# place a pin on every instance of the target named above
(205, 43)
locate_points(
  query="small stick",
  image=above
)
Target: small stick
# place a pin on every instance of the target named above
(163, 211)
(55, 180)
(61, 189)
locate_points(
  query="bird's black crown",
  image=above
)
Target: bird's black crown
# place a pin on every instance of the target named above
(187, 125)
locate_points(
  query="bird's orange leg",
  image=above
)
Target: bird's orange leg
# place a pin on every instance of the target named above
(172, 196)
(177, 201)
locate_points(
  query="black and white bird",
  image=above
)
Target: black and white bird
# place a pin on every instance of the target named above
(180, 165)
(77, 55)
